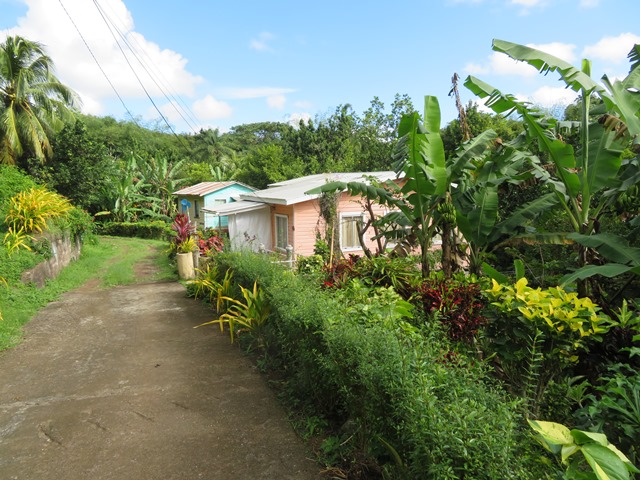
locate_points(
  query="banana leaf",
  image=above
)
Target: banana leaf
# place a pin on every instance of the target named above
(612, 247)
(604, 160)
(561, 153)
(544, 62)
(609, 270)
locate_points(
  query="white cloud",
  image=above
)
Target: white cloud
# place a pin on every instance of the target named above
(552, 96)
(501, 64)
(612, 49)
(253, 92)
(276, 102)
(295, 118)
(261, 44)
(208, 108)
(564, 51)
(47, 22)
(90, 105)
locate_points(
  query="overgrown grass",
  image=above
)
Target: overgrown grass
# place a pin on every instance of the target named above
(111, 260)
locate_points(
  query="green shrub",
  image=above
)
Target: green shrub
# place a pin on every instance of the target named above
(397, 400)
(156, 229)
(614, 409)
(78, 223)
(12, 182)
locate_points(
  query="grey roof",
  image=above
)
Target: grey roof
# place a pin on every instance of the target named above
(234, 207)
(293, 191)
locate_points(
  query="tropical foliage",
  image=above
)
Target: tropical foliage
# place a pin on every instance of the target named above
(33, 101)
(585, 181)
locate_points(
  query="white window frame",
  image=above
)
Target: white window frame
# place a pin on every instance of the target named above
(286, 239)
(344, 217)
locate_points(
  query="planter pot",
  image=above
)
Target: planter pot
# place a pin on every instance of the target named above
(185, 266)
(196, 259)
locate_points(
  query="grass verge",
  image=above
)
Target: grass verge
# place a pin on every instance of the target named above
(111, 260)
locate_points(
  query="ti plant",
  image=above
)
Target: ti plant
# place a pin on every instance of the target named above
(599, 459)
(248, 316)
(184, 230)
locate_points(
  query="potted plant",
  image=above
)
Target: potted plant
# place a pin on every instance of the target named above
(184, 244)
(186, 268)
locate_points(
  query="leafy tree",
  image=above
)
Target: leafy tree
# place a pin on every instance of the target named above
(121, 138)
(377, 132)
(269, 164)
(80, 167)
(33, 102)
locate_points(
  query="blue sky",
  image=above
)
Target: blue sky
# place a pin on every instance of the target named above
(219, 64)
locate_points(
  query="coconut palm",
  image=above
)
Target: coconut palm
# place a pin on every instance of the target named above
(33, 102)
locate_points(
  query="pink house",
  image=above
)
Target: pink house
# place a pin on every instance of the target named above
(284, 215)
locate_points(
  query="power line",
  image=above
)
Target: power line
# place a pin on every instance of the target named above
(98, 63)
(176, 103)
(138, 78)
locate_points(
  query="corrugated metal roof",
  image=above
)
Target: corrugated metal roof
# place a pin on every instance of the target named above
(234, 207)
(293, 191)
(205, 188)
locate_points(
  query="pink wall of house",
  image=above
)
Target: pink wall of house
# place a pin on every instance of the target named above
(305, 221)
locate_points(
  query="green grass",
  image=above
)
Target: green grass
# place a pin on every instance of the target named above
(111, 260)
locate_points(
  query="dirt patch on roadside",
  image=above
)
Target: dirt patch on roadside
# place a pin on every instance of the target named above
(117, 384)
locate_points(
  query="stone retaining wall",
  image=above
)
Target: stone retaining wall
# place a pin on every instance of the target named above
(63, 251)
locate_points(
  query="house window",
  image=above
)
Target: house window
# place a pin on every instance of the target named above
(220, 201)
(282, 231)
(196, 209)
(349, 225)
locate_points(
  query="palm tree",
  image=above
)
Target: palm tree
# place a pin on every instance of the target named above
(33, 102)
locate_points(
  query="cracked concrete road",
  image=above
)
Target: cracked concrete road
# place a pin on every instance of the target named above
(117, 384)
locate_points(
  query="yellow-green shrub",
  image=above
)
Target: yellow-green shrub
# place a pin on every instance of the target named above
(553, 309)
(535, 334)
(30, 210)
(15, 240)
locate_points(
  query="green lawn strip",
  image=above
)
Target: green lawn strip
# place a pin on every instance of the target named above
(111, 260)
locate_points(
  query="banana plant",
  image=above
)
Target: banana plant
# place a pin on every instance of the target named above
(420, 161)
(477, 201)
(585, 182)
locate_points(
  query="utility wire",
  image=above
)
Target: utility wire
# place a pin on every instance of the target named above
(98, 63)
(177, 103)
(138, 78)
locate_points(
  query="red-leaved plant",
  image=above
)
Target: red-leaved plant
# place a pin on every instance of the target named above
(214, 243)
(183, 228)
(459, 306)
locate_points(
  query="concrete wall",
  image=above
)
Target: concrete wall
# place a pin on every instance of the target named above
(63, 251)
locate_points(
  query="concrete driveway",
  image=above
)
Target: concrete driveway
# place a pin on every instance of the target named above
(117, 384)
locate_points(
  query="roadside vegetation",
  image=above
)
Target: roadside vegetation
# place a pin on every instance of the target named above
(512, 351)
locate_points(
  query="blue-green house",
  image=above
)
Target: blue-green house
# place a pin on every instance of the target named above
(192, 199)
